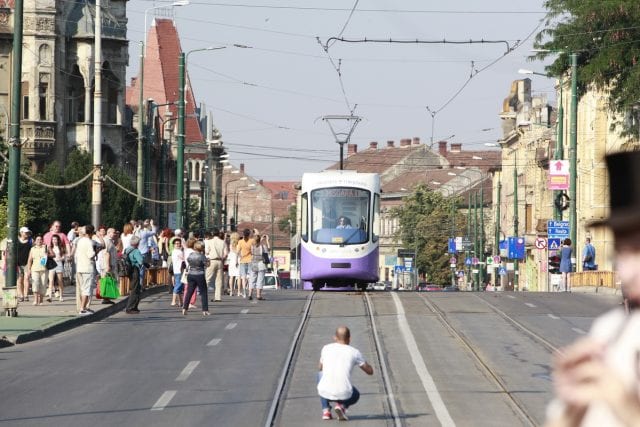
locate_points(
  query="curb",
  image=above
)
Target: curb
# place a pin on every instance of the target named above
(71, 323)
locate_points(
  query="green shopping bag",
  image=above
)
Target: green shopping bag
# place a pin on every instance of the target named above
(109, 287)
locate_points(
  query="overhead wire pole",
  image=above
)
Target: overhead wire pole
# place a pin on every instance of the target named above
(14, 147)
(96, 193)
(342, 137)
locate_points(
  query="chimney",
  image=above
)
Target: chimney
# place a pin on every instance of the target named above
(373, 145)
(405, 142)
(242, 168)
(456, 148)
(352, 149)
(442, 148)
(390, 144)
(416, 140)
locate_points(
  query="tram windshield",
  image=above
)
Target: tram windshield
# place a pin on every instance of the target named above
(340, 215)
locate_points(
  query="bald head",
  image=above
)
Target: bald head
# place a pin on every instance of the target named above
(343, 335)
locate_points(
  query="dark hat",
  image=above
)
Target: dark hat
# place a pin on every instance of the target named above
(624, 191)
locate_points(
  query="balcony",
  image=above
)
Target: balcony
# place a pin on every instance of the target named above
(40, 138)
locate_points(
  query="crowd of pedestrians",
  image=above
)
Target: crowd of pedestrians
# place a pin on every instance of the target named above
(213, 264)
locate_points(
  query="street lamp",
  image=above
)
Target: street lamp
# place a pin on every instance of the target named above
(236, 193)
(226, 191)
(181, 119)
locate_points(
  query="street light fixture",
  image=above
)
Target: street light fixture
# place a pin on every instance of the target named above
(181, 122)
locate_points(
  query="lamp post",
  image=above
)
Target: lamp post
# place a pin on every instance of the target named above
(557, 212)
(236, 193)
(573, 147)
(182, 64)
(451, 194)
(226, 192)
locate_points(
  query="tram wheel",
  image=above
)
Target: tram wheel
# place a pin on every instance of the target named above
(316, 286)
(361, 287)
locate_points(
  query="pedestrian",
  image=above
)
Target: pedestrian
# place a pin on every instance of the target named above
(24, 246)
(244, 254)
(178, 266)
(257, 268)
(188, 250)
(596, 379)
(565, 264)
(232, 262)
(146, 231)
(58, 251)
(73, 231)
(126, 235)
(85, 269)
(337, 360)
(56, 229)
(37, 270)
(197, 263)
(216, 252)
(135, 278)
(107, 258)
(588, 256)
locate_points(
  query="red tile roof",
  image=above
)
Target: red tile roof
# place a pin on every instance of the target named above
(161, 77)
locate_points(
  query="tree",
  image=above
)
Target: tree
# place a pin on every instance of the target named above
(425, 223)
(118, 205)
(606, 37)
(283, 223)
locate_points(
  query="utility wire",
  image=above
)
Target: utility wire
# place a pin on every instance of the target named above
(113, 181)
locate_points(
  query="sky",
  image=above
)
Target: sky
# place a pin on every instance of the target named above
(280, 74)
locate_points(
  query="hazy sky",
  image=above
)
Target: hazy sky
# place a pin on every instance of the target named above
(268, 100)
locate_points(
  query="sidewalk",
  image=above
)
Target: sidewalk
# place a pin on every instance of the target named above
(36, 322)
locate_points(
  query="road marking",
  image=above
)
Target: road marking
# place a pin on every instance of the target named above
(553, 316)
(427, 380)
(244, 311)
(578, 331)
(188, 370)
(231, 326)
(511, 296)
(164, 400)
(213, 342)
(528, 304)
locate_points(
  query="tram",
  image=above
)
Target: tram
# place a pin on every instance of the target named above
(340, 230)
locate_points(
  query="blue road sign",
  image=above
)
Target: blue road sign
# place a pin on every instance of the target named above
(516, 247)
(558, 229)
(553, 244)
(502, 271)
(452, 245)
(399, 268)
(467, 261)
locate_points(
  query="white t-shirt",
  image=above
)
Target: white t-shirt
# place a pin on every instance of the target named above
(337, 362)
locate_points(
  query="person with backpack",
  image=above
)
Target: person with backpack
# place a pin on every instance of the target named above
(133, 262)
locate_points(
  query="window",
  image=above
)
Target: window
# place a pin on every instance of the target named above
(25, 107)
(42, 100)
(340, 215)
(375, 230)
(304, 214)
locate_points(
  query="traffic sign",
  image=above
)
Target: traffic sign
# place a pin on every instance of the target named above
(496, 259)
(399, 268)
(502, 271)
(489, 260)
(475, 261)
(558, 175)
(467, 261)
(554, 244)
(453, 260)
(541, 243)
(557, 229)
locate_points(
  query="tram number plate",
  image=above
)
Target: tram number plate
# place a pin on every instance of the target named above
(337, 239)
(340, 265)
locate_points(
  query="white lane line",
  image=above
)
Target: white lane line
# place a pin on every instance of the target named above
(188, 370)
(214, 342)
(427, 380)
(511, 296)
(164, 400)
(230, 326)
(244, 311)
(528, 304)
(553, 316)
(578, 331)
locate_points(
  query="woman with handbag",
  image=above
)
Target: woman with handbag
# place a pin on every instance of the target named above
(257, 268)
(58, 252)
(37, 268)
(177, 265)
(197, 263)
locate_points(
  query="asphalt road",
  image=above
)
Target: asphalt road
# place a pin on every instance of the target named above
(453, 358)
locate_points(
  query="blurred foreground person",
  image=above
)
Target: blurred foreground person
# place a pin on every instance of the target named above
(597, 379)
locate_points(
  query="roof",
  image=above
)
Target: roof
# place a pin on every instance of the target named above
(161, 77)
(372, 160)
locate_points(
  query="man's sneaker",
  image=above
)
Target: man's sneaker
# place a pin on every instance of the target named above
(341, 413)
(326, 414)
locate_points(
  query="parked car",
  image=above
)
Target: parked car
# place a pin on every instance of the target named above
(428, 287)
(381, 286)
(271, 281)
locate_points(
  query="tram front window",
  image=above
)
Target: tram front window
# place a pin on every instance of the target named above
(340, 215)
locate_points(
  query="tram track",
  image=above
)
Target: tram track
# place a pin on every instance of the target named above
(517, 405)
(288, 369)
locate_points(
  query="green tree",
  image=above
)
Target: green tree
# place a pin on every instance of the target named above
(425, 222)
(24, 217)
(283, 223)
(118, 205)
(606, 37)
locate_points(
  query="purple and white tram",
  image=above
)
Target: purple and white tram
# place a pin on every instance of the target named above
(340, 223)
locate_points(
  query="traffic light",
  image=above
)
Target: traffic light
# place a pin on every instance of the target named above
(554, 264)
